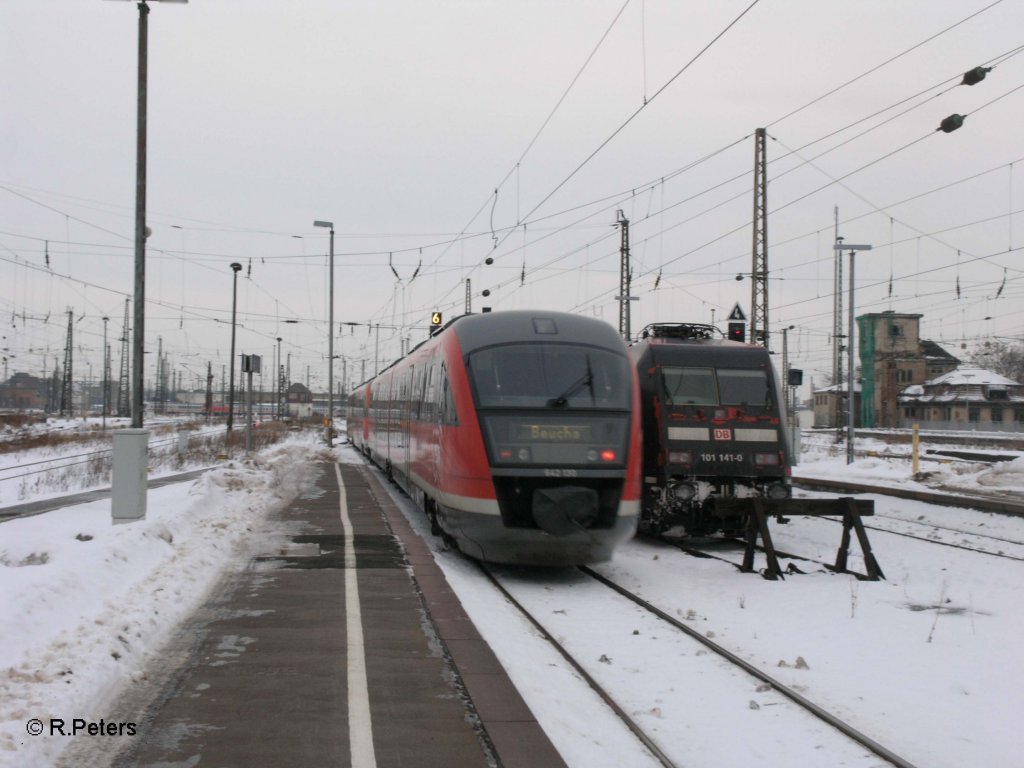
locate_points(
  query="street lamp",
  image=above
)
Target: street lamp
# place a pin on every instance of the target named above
(140, 221)
(330, 338)
(277, 386)
(850, 398)
(106, 374)
(235, 268)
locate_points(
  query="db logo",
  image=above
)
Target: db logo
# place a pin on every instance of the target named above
(723, 434)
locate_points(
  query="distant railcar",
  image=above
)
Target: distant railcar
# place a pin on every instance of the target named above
(714, 429)
(516, 432)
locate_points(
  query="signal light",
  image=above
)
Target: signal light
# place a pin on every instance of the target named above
(737, 332)
(607, 455)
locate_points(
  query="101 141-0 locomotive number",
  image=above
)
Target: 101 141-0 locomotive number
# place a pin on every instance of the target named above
(726, 457)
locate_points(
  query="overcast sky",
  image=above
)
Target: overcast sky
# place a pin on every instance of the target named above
(436, 135)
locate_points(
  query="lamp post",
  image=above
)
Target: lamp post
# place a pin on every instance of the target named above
(130, 447)
(235, 268)
(850, 398)
(140, 220)
(330, 338)
(277, 386)
(106, 374)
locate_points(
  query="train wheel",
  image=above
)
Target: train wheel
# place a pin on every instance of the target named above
(435, 527)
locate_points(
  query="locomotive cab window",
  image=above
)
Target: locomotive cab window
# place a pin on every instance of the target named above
(689, 386)
(743, 387)
(708, 386)
(549, 375)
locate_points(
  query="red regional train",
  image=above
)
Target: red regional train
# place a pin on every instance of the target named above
(518, 433)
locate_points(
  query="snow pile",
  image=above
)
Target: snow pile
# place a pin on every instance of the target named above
(85, 601)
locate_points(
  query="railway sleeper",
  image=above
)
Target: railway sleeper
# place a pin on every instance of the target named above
(756, 511)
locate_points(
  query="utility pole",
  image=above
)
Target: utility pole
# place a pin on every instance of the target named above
(209, 391)
(67, 393)
(124, 403)
(625, 277)
(759, 265)
(158, 396)
(839, 338)
(106, 375)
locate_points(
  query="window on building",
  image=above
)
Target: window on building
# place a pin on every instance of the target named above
(1018, 414)
(895, 330)
(974, 413)
(997, 413)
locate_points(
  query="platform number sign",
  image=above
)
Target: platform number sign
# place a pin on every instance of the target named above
(436, 320)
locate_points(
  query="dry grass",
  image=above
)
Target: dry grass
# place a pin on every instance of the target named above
(204, 449)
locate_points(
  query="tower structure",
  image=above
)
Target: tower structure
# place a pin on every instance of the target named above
(124, 402)
(759, 265)
(625, 278)
(67, 393)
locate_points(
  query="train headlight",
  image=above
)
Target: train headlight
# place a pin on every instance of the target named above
(524, 454)
(685, 458)
(684, 491)
(766, 459)
(778, 491)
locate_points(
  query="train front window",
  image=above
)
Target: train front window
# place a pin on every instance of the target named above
(550, 375)
(689, 386)
(708, 386)
(743, 387)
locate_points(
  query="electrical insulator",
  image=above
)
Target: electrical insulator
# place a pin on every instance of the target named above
(951, 123)
(975, 76)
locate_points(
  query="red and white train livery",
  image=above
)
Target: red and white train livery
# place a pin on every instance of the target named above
(516, 432)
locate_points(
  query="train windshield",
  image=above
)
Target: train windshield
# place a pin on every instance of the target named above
(550, 376)
(710, 386)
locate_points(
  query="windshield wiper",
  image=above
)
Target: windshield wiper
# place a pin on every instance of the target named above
(586, 380)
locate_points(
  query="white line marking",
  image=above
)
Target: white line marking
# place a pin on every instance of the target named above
(360, 723)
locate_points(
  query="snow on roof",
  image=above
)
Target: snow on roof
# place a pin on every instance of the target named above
(838, 388)
(973, 376)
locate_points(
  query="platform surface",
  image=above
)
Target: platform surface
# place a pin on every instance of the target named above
(265, 674)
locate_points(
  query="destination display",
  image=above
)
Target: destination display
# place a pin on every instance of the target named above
(562, 433)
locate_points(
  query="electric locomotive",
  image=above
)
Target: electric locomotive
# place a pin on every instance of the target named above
(516, 432)
(714, 430)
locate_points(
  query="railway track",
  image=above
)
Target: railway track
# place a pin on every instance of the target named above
(573, 638)
(931, 533)
(934, 533)
(951, 498)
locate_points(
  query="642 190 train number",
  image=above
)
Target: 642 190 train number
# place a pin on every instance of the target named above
(726, 457)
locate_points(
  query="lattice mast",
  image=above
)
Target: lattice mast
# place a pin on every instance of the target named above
(838, 334)
(208, 405)
(67, 392)
(625, 277)
(124, 402)
(759, 267)
(160, 393)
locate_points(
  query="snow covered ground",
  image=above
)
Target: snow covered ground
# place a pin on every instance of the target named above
(925, 662)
